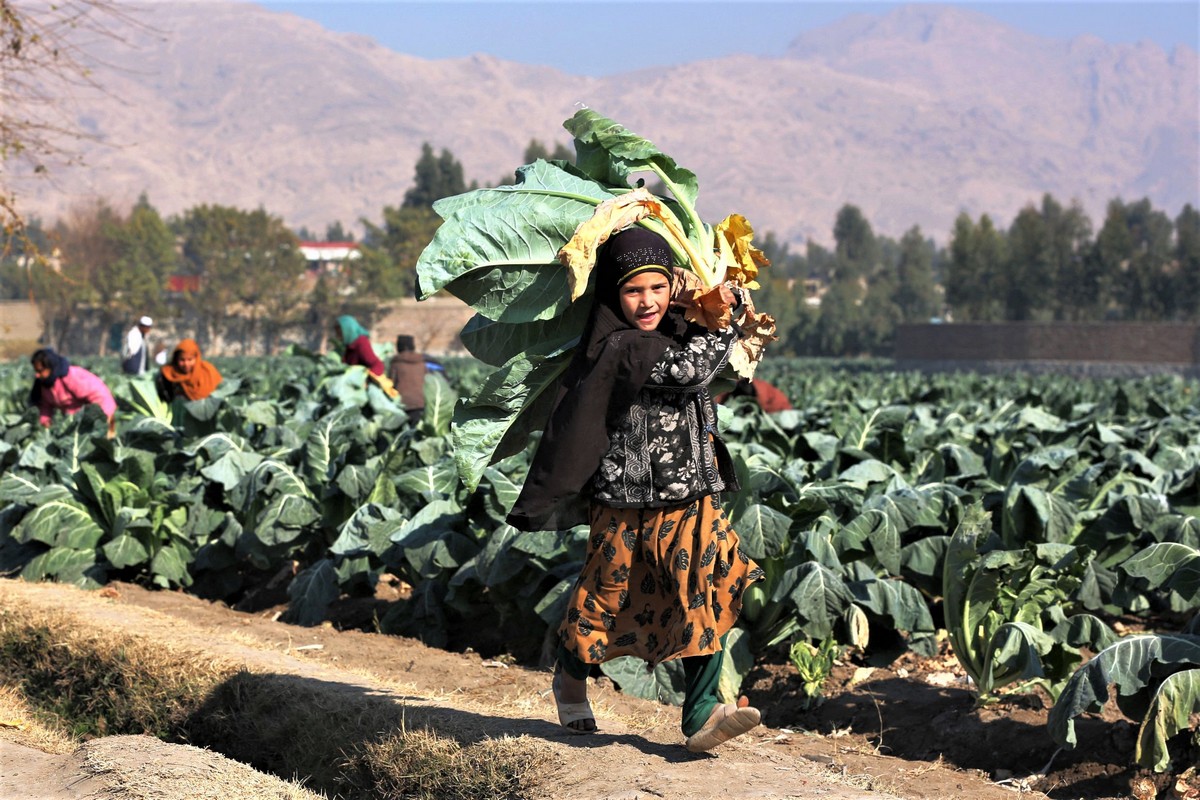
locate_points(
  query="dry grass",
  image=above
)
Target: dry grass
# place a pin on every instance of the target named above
(356, 743)
(98, 683)
(143, 768)
(19, 723)
(344, 740)
(421, 764)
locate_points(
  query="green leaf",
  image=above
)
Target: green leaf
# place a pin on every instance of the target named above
(231, 468)
(67, 565)
(897, 602)
(873, 528)
(763, 531)
(430, 482)
(736, 663)
(318, 448)
(495, 343)
(498, 561)
(1133, 665)
(496, 419)
(865, 473)
(145, 401)
(1168, 565)
(1014, 653)
(553, 605)
(1174, 708)
(664, 684)
(611, 153)
(310, 594)
(498, 248)
(282, 516)
(820, 598)
(429, 524)
(125, 551)
(169, 565)
(17, 489)
(60, 524)
(356, 482)
(439, 405)
(505, 490)
(1033, 514)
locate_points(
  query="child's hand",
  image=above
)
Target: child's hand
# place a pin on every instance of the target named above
(112, 428)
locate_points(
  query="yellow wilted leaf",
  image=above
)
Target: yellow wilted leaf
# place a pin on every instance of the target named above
(757, 331)
(579, 254)
(19, 724)
(742, 260)
(706, 307)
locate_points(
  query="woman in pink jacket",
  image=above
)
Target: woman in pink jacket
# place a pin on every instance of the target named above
(58, 385)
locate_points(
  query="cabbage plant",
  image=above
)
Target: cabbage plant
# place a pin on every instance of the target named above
(1007, 610)
(521, 256)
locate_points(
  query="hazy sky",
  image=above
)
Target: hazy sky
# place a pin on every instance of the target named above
(591, 37)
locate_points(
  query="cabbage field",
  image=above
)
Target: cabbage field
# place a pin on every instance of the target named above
(1022, 515)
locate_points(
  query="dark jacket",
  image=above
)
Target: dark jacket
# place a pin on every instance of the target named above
(664, 449)
(407, 372)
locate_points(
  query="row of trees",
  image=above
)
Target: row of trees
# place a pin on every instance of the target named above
(243, 268)
(236, 270)
(1047, 266)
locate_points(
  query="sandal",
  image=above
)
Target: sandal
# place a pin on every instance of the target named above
(725, 722)
(570, 713)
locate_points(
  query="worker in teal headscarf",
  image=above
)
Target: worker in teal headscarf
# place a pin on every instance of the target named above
(356, 345)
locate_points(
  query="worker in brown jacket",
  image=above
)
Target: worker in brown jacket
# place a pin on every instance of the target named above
(407, 371)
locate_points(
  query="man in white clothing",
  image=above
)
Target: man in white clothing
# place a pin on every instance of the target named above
(135, 355)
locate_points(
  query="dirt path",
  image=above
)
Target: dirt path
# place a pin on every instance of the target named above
(637, 754)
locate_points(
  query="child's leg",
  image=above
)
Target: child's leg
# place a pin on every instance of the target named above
(571, 664)
(570, 692)
(701, 674)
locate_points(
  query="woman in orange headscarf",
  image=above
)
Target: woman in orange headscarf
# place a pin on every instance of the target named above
(187, 375)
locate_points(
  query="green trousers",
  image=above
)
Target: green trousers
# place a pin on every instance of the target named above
(701, 674)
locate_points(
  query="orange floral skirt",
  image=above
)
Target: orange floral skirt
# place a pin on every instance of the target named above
(658, 583)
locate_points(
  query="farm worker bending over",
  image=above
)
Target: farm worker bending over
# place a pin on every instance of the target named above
(58, 385)
(769, 399)
(634, 435)
(407, 371)
(356, 345)
(187, 375)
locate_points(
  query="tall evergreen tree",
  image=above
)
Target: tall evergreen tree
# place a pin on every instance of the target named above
(916, 294)
(1187, 259)
(974, 289)
(1029, 268)
(393, 249)
(857, 249)
(434, 177)
(535, 150)
(1133, 251)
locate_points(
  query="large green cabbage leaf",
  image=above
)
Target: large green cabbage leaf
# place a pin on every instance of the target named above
(497, 251)
(1141, 668)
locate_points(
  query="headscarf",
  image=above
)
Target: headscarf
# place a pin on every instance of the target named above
(59, 365)
(611, 365)
(201, 381)
(351, 329)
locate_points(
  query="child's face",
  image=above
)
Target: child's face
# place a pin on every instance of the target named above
(644, 299)
(41, 371)
(184, 362)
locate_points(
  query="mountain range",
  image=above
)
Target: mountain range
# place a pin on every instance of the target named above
(913, 116)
